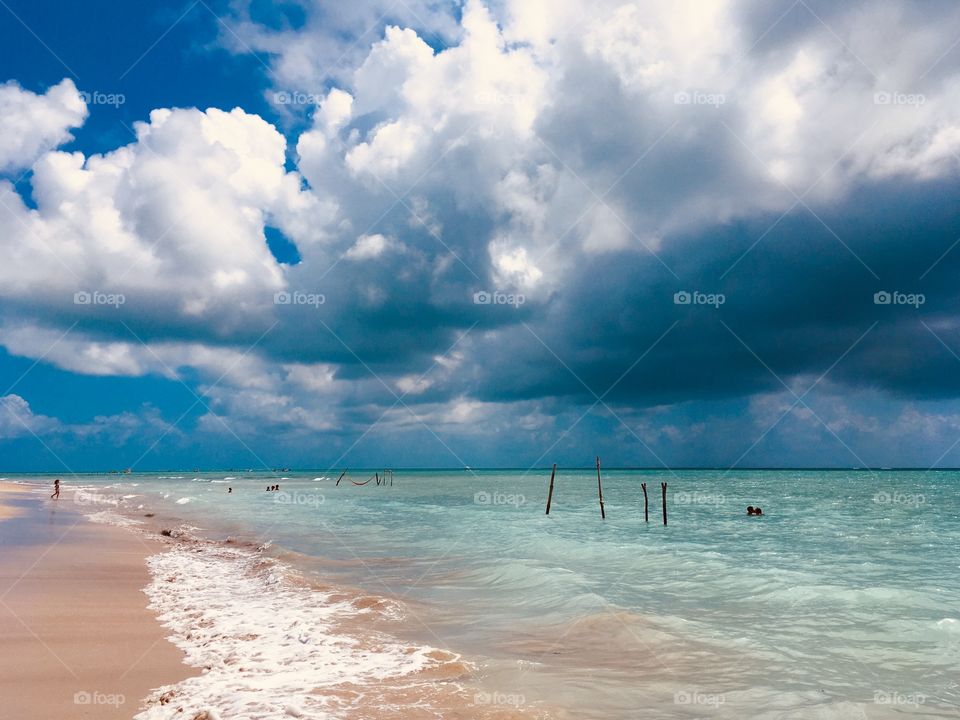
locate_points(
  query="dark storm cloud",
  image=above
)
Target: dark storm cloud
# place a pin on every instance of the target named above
(797, 302)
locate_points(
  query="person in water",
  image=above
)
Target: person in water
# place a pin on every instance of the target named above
(229, 490)
(56, 490)
(749, 509)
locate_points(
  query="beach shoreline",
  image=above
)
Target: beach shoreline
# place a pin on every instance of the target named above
(224, 617)
(79, 640)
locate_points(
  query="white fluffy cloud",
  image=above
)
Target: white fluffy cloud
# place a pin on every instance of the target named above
(32, 124)
(18, 420)
(173, 223)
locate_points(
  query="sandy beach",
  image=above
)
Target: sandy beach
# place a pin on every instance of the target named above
(78, 640)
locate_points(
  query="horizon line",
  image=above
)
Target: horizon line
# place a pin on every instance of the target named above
(375, 468)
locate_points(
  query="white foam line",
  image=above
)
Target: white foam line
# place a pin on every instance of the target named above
(269, 647)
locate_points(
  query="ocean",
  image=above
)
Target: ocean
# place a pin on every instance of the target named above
(450, 593)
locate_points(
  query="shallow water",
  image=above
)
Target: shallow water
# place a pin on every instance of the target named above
(842, 601)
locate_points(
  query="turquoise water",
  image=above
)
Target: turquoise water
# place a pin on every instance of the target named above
(842, 601)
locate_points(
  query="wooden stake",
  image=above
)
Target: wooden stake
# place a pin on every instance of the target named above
(340, 478)
(550, 492)
(663, 488)
(603, 515)
(646, 506)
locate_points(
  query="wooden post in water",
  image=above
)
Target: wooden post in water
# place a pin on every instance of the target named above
(341, 477)
(603, 515)
(550, 492)
(663, 488)
(646, 506)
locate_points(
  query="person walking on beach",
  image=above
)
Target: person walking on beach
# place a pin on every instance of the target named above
(56, 490)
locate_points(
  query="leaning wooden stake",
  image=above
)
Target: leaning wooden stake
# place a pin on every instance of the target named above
(646, 506)
(341, 477)
(603, 515)
(550, 492)
(663, 488)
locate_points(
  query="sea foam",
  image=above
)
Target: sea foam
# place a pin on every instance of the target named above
(269, 647)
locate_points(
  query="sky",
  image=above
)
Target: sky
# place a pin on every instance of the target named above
(495, 233)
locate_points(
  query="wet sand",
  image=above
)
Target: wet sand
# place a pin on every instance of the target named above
(78, 640)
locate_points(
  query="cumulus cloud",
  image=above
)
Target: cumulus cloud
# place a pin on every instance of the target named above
(170, 227)
(18, 420)
(31, 124)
